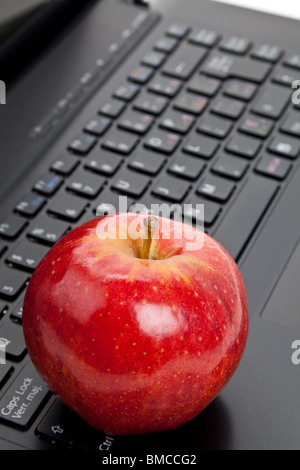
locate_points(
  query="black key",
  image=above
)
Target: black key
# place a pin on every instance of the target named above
(258, 127)
(201, 146)
(120, 142)
(30, 204)
(65, 164)
(112, 108)
(267, 52)
(285, 146)
(24, 398)
(208, 215)
(244, 215)
(191, 103)
(17, 312)
(26, 255)
(235, 44)
(141, 74)
(177, 122)
(272, 102)
(228, 107)
(5, 370)
(67, 207)
(126, 92)
(130, 183)
(12, 226)
(134, 121)
(166, 44)
(111, 203)
(293, 61)
(162, 142)
(215, 188)
(187, 167)
(244, 146)
(291, 125)
(98, 125)
(147, 162)
(177, 30)
(48, 230)
(274, 167)
(204, 37)
(48, 184)
(185, 60)
(151, 103)
(225, 66)
(154, 59)
(104, 163)
(12, 336)
(232, 167)
(12, 283)
(215, 126)
(204, 85)
(171, 189)
(284, 76)
(240, 89)
(85, 184)
(165, 86)
(82, 144)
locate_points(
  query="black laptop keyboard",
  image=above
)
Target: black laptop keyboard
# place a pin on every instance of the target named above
(201, 119)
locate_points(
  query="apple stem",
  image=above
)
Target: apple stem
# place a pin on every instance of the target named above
(151, 224)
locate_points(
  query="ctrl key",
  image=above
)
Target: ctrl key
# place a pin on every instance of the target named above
(23, 399)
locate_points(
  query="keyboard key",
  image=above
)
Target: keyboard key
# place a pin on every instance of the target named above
(24, 398)
(30, 205)
(245, 214)
(48, 184)
(130, 183)
(120, 142)
(187, 167)
(185, 60)
(12, 336)
(235, 44)
(104, 163)
(82, 144)
(67, 207)
(165, 44)
(17, 312)
(284, 76)
(127, 91)
(274, 167)
(191, 103)
(285, 146)
(141, 74)
(178, 30)
(136, 122)
(291, 125)
(232, 167)
(47, 230)
(165, 86)
(244, 146)
(85, 184)
(170, 188)
(177, 122)
(228, 107)
(267, 52)
(151, 103)
(154, 59)
(65, 164)
(12, 282)
(293, 61)
(112, 108)
(12, 226)
(5, 372)
(111, 203)
(147, 162)
(215, 126)
(201, 146)
(197, 216)
(98, 125)
(204, 37)
(215, 188)
(240, 89)
(26, 255)
(226, 66)
(204, 85)
(162, 142)
(272, 102)
(256, 126)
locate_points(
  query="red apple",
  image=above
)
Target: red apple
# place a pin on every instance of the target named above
(136, 334)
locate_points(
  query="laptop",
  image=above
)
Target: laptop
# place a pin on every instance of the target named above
(177, 101)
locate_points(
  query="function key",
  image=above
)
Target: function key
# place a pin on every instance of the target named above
(256, 126)
(216, 188)
(30, 205)
(293, 61)
(201, 146)
(12, 282)
(235, 44)
(64, 165)
(166, 44)
(231, 167)
(48, 184)
(162, 142)
(187, 167)
(274, 167)
(47, 230)
(119, 141)
(12, 226)
(228, 107)
(136, 122)
(204, 85)
(244, 146)
(171, 189)
(141, 74)
(147, 162)
(130, 183)
(286, 146)
(112, 108)
(82, 144)
(26, 255)
(191, 103)
(126, 92)
(151, 103)
(240, 89)
(291, 125)
(215, 126)
(204, 37)
(154, 59)
(165, 86)
(97, 125)
(178, 30)
(267, 52)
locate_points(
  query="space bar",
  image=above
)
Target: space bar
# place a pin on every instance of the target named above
(245, 214)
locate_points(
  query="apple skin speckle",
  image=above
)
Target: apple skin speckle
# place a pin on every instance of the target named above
(108, 330)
